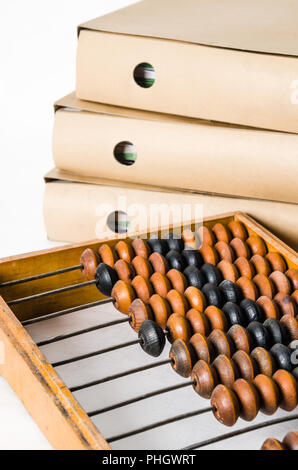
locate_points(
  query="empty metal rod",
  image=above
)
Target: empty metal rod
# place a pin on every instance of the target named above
(15, 282)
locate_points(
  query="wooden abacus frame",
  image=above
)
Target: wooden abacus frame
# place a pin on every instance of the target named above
(48, 400)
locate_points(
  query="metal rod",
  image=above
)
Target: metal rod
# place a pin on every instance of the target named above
(40, 276)
(159, 424)
(140, 398)
(118, 376)
(228, 435)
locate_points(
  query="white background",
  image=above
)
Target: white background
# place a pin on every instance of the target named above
(37, 67)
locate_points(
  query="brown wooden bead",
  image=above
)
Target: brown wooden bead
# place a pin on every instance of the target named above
(123, 294)
(226, 369)
(195, 298)
(143, 288)
(257, 245)
(245, 267)
(222, 233)
(159, 262)
(90, 260)
(199, 322)
(142, 267)
(225, 405)
(276, 261)
(247, 366)
(248, 398)
(161, 309)
(273, 444)
(206, 235)
(209, 254)
(241, 248)
(281, 282)
(183, 357)
(178, 327)
(216, 317)
(228, 270)
(261, 264)
(291, 440)
(225, 251)
(269, 307)
(222, 344)
(287, 389)
(286, 303)
(141, 247)
(205, 378)
(238, 230)
(292, 275)
(138, 313)
(125, 271)
(240, 338)
(294, 295)
(189, 239)
(265, 361)
(268, 393)
(108, 254)
(178, 302)
(161, 284)
(178, 280)
(265, 285)
(248, 288)
(203, 347)
(124, 251)
(291, 325)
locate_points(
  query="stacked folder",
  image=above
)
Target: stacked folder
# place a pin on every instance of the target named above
(177, 105)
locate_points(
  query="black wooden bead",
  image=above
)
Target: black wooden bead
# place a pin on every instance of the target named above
(295, 373)
(152, 338)
(175, 243)
(159, 245)
(212, 273)
(282, 355)
(192, 257)
(105, 278)
(234, 314)
(251, 310)
(213, 295)
(194, 277)
(231, 292)
(259, 334)
(176, 260)
(277, 331)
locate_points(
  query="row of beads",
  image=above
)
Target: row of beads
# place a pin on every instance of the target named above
(289, 442)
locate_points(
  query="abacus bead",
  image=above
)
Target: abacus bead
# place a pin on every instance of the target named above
(281, 282)
(203, 347)
(241, 248)
(237, 229)
(251, 310)
(159, 263)
(225, 251)
(225, 405)
(142, 267)
(265, 361)
(177, 280)
(228, 270)
(234, 314)
(216, 317)
(189, 239)
(106, 277)
(194, 277)
(276, 261)
(256, 245)
(261, 265)
(209, 254)
(291, 325)
(291, 440)
(226, 370)
(268, 307)
(138, 313)
(90, 260)
(294, 295)
(240, 338)
(107, 254)
(142, 287)
(248, 399)
(265, 285)
(211, 273)
(282, 356)
(231, 292)
(159, 245)
(221, 343)
(247, 366)
(123, 295)
(287, 389)
(295, 373)
(277, 331)
(175, 243)
(161, 309)
(124, 251)
(245, 267)
(259, 334)
(178, 302)
(192, 257)
(195, 298)
(199, 321)
(222, 233)
(183, 357)
(206, 235)
(152, 338)
(268, 393)
(273, 444)
(178, 327)
(160, 283)
(175, 260)
(205, 378)
(213, 295)
(141, 247)
(286, 303)
(248, 288)
(292, 274)
(124, 270)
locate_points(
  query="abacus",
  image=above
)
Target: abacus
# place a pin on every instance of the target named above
(219, 307)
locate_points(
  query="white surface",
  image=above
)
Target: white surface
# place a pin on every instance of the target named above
(37, 66)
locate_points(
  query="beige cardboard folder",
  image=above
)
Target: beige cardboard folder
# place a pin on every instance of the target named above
(231, 61)
(77, 208)
(173, 152)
